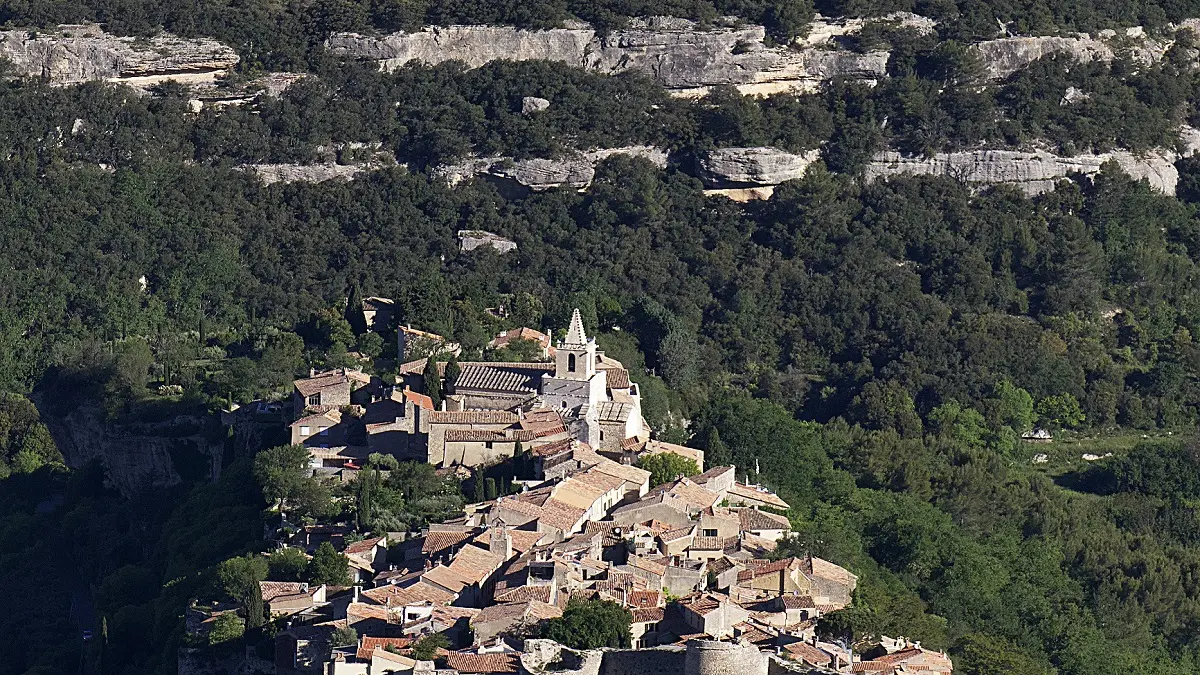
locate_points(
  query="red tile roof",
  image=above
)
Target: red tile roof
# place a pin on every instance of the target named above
(419, 400)
(368, 644)
(647, 614)
(362, 546)
(483, 663)
(523, 593)
(808, 653)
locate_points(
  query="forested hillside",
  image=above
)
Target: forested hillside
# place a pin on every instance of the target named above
(872, 350)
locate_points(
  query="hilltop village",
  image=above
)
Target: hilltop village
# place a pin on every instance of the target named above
(688, 562)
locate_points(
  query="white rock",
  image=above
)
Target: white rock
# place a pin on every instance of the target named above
(533, 104)
(754, 166)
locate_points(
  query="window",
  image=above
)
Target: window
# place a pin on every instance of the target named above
(571, 363)
(315, 399)
(601, 435)
(564, 405)
(488, 445)
(708, 533)
(304, 430)
(324, 431)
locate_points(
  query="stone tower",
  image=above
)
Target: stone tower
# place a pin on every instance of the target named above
(577, 387)
(576, 354)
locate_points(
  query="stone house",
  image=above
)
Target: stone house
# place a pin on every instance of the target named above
(541, 339)
(378, 313)
(327, 390)
(284, 598)
(829, 585)
(713, 614)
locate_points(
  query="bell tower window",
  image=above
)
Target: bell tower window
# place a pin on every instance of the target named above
(571, 363)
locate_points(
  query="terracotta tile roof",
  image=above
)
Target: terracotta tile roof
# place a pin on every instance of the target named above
(703, 603)
(751, 633)
(708, 544)
(332, 416)
(808, 653)
(872, 667)
(418, 367)
(647, 614)
(475, 564)
(719, 565)
(797, 602)
(753, 519)
(502, 376)
(826, 570)
(552, 448)
(522, 333)
(618, 378)
(465, 662)
(395, 596)
(523, 593)
(321, 381)
(648, 565)
(366, 645)
(272, 590)
(522, 540)
(645, 599)
(361, 610)
(419, 400)
(935, 660)
(438, 541)
(632, 444)
(678, 534)
(363, 546)
(758, 494)
(445, 577)
(687, 491)
(377, 303)
(627, 472)
(405, 662)
(472, 417)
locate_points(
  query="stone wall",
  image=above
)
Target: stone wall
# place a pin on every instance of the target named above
(657, 661)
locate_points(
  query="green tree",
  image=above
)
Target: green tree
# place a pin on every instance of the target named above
(329, 567)
(591, 624)
(427, 647)
(1011, 406)
(239, 576)
(1061, 411)
(370, 344)
(287, 564)
(665, 467)
(283, 474)
(489, 488)
(255, 612)
(453, 370)
(343, 636)
(981, 654)
(477, 481)
(226, 628)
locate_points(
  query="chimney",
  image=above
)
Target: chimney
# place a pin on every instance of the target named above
(357, 588)
(312, 372)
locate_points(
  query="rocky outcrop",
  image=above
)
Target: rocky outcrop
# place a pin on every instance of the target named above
(470, 240)
(1003, 57)
(1033, 172)
(575, 171)
(533, 104)
(729, 167)
(304, 173)
(74, 54)
(676, 52)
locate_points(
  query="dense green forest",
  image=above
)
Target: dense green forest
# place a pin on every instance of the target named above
(876, 351)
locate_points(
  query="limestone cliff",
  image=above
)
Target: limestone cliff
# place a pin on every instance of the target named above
(1032, 171)
(74, 54)
(676, 52)
(739, 167)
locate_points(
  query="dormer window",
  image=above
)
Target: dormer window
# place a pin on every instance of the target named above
(315, 399)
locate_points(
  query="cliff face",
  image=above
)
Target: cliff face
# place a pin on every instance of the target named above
(1033, 172)
(74, 54)
(137, 457)
(675, 52)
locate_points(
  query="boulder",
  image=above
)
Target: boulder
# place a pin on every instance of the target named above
(1033, 172)
(469, 240)
(533, 104)
(754, 166)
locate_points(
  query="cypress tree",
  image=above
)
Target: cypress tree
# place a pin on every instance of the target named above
(453, 370)
(490, 486)
(255, 615)
(478, 480)
(433, 382)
